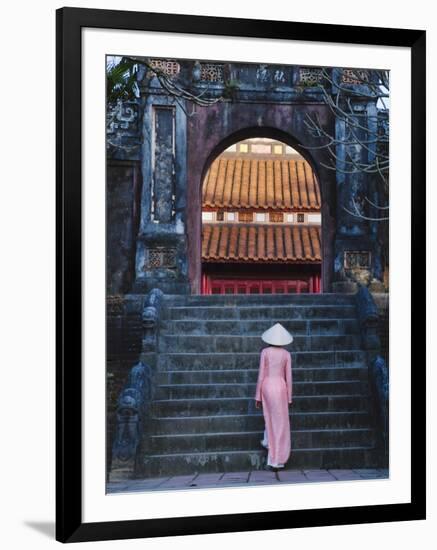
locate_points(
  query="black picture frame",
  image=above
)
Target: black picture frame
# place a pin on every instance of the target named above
(69, 525)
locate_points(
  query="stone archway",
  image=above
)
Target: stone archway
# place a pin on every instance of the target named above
(200, 158)
(169, 147)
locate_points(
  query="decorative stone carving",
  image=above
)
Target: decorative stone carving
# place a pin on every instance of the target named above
(161, 257)
(263, 73)
(212, 72)
(122, 129)
(164, 171)
(309, 76)
(357, 259)
(354, 76)
(279, 76)
(131, 411)
(122, 116)
(167, 66)
(150, 319)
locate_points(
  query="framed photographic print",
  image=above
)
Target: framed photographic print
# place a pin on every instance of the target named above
(240, 274)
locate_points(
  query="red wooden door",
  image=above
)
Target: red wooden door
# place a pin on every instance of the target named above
(215, 285)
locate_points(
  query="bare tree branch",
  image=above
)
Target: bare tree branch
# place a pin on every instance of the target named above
(362, 148)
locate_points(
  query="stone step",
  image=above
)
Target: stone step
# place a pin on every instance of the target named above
(246, 344)
(240, 441)
(259, 299)
(241, 405)
(238, 461)
(255, 422)
(232, 376)
(236, 327)
(209, 391)
(267, 312)
(224, 361)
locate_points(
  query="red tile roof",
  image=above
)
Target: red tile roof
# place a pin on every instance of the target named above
(243, 242)
(261, 183)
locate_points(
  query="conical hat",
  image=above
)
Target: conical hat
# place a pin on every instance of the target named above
(277, 335)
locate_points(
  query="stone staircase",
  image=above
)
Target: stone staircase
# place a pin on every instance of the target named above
(203, 413)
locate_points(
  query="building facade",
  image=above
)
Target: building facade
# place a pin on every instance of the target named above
(261, 222)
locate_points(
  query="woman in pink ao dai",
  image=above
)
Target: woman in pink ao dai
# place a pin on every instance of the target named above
(274, 391)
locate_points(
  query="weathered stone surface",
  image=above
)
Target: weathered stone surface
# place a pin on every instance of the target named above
(163, 176)
(175, 151)
(246, 478)
(123, 182)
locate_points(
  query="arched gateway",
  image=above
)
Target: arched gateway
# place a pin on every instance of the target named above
(288, 121)
(261, 221)
(167, 146)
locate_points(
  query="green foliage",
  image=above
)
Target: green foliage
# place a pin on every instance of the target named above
(121, 81)
(231, 86)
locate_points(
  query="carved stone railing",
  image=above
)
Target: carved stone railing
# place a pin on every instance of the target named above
(151, 314)
(378, 375)
(131, 416)
(369, 319)
(379, 387)
(134, 403)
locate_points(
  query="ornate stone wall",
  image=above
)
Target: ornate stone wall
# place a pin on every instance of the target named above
(168, 143)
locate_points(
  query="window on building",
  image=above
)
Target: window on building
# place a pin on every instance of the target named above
(301, 218)
(244, 148)
(290, 218)
(276, 217)
(207, 216)
(277, 149)
(245, 216)
(260, 217)
(230, 216)
(314, 218)
(261, 149)
(220, 215)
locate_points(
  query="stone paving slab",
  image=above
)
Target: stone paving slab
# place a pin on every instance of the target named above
(319, 475)
(234, 477)
(262, 476)
(372, 474)
(292, 476)
(253, 478)
(345, 475)
(207, 478)
(177, 482)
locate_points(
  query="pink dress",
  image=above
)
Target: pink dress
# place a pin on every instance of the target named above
(274, 390)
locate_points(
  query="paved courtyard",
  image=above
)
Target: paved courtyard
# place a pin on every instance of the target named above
(253, 478)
